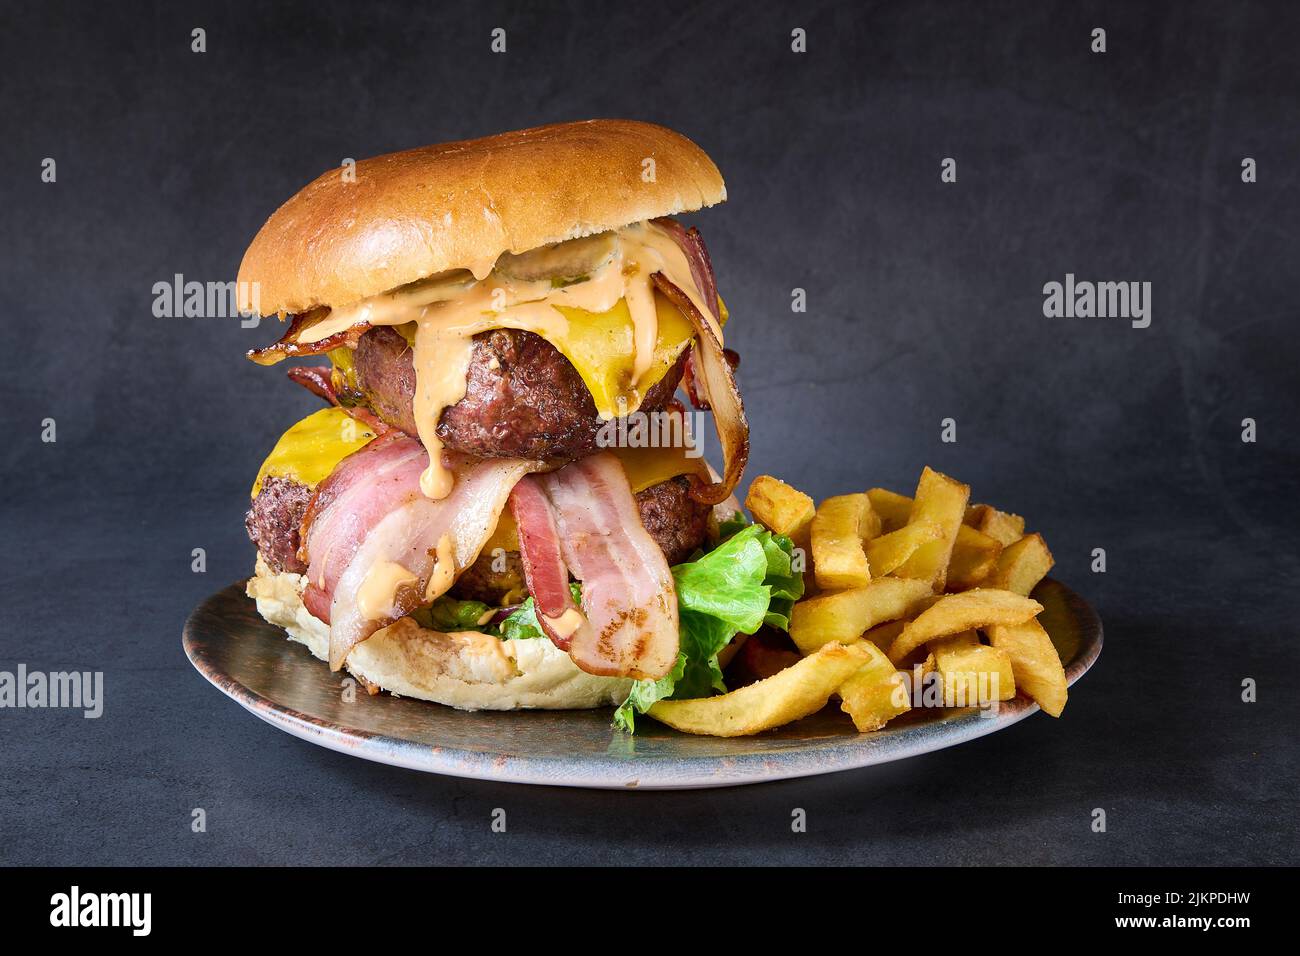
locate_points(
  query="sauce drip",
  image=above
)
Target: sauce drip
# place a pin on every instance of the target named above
(379, 588)
(566, 623)
(443, 574)
(448, 311)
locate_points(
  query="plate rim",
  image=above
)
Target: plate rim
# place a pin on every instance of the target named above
(608, 772)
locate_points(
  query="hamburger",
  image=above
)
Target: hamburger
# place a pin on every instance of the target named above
(455, 523)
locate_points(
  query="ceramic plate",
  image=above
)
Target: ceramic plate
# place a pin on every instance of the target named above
(253, 663)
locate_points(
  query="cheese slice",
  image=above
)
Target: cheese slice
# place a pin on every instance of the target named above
(600, 346)
(646, 467)
(313, 447)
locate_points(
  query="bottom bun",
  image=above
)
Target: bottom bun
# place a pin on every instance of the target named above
(468, 670)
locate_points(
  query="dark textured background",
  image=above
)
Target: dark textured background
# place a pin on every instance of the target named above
(924, 303)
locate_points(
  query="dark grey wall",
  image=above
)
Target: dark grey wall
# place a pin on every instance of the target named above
(924, 302)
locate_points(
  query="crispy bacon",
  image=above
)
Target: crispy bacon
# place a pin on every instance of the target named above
(539, 552)
(317, 379)
(361, 491)
(288, 345)
(371, 511)
(628, 598)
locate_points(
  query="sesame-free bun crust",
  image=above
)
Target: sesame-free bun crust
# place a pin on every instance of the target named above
(468, 671)
(417, 213)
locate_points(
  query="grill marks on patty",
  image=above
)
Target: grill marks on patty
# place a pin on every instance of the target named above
(523, 398)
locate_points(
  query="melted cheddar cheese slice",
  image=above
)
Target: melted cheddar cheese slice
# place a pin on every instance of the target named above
(313, 447)
(601, 347)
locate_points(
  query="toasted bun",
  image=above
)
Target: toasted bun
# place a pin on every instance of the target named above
(414, 214)
(468, 671)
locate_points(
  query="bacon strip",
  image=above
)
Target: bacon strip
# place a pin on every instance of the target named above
(288, 345)
(363, 489)
(628, 596)
(539, 552)
(371, 510)
(319, 380)
(712, 375)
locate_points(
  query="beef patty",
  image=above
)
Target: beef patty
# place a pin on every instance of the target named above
(523, 399)
(677, 522)
(274, 519)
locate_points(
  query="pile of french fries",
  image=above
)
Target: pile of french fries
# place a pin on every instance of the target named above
(898, 589)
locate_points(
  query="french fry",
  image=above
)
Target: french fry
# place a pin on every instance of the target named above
(927, 666)
(839, 528)
(974, 556)
(843, 616)
(970, 550)
(960, 639)
(876, 693)
(893, 508)
(799, 690)
(942, 500)
(887, 552)
(779, 507)
(954, 613)
(871, 523)
(878, 565)
(973, 673)
(1022, 565)
(1002, 526)
(883, 635)
(1035, 663)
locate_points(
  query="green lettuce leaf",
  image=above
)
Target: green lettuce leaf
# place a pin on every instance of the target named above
(645, 693)
(523, 625)
(448, 614)
(746, 581)
(785, 582)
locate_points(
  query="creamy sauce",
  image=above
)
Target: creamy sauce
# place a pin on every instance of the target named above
(443, 574)
(566, 623)
(449, 310)
(441, 365)
(379, 589)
